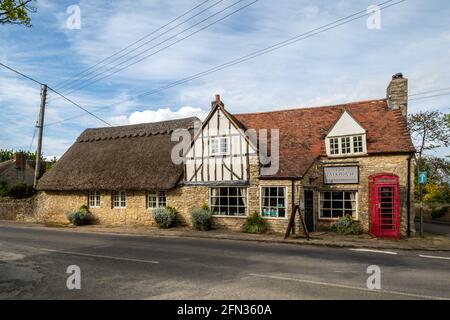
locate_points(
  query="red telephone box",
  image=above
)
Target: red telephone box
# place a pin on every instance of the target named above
(384, 206)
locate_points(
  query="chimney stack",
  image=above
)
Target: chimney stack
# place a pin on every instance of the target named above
(397, 94)
(20, 161)
(216, 101)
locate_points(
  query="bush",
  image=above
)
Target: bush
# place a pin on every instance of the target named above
(438, 213)
(255, 224)
(21, 191)
(346, 225)
(80, 217)
(164, 217)
(4, 190)
(201, 219)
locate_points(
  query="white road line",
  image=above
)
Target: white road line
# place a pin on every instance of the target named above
(343, 286)
(434, 257)
(374, 251)
(99, 256)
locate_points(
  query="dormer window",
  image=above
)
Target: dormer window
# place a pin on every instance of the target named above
(352, 145)
(346, 138)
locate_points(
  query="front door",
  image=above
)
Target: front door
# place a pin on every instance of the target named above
(385, 207)
(309, 210)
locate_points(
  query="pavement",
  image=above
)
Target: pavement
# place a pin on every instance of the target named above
(34, 261)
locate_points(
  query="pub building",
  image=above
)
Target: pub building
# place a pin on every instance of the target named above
(348, 159)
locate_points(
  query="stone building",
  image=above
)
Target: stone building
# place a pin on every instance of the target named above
(350, 159)
(17, 171)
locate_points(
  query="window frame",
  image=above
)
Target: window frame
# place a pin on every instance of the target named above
(157, 195)
(319, 211)
(261, 200)
(96, 199)
(219, 146)
(331, 144)
(122, 199)
(245, 215)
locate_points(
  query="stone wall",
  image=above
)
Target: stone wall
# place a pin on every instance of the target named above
(18, 210)
(368, 165)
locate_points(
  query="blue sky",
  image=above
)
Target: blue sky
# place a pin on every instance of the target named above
(346, 64)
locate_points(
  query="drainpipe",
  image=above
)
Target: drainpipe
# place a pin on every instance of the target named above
(293, 199)
(408, 198)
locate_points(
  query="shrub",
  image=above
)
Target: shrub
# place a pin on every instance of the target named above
(4, 190)
(21, 191)
(346, 225)
(164, 217)
(201, 219)
(438, 213)
(80, 217)
(255, 224)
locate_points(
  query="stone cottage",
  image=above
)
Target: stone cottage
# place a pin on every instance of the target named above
(17, 171)
(350, 159)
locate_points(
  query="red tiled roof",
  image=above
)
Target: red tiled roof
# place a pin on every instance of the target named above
(303, 131)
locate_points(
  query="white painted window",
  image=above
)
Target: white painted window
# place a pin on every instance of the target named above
(273, 202)
(119, 199)
(94, 199)
(351, 145)
(157, 199)
(335, 204)
(228, 201)
(219, 146)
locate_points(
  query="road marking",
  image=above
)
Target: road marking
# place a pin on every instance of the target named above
(374, 251)
(344, 286)
(99, 256)
(434, 257)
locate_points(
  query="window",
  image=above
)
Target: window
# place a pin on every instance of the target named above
(335, 204)
(228, 201)
(219, 146)
(334, 146)
(94, 199)
(157, 199)
(119, 199)
(347, 145)
(273, 202)
(358, 144)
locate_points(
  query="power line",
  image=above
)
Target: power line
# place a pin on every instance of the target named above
(21, 74)
(430, 91)
(432, 96)
(303, 36)
(59, 87)
(77, 105)
(94, 80)
(59, 94)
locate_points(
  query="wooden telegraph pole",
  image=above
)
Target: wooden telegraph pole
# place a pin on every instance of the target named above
(40, 133)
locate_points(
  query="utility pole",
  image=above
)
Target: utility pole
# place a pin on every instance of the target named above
(40, 133)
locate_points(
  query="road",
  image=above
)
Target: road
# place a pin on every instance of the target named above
(34, 261)
(435, 228)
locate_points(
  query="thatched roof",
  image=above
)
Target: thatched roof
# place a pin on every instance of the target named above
(136, 157)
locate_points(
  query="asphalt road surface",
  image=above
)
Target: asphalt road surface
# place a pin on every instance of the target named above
(34, 261)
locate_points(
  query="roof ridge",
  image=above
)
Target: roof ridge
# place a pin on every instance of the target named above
(315, 108)
(130, 126)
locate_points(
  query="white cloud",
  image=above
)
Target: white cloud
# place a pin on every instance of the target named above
(158, 115)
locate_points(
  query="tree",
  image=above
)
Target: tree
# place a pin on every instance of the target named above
(6, 155)
(431, 130)
(16, 12)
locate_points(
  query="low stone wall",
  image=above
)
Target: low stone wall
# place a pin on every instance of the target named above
(18, 210)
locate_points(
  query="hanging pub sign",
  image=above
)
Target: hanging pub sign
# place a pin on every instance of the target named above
(341, 175)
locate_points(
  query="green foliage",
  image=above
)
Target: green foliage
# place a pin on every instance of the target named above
(16, 12)
(4, 190)
(164, 217)
(205, 207)
(255, 224)
(346, 225)
(21, 191)
(201, 219)
(80, 217)
(437, 189)
(6, 155)
(435, 193)
(439, 213)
